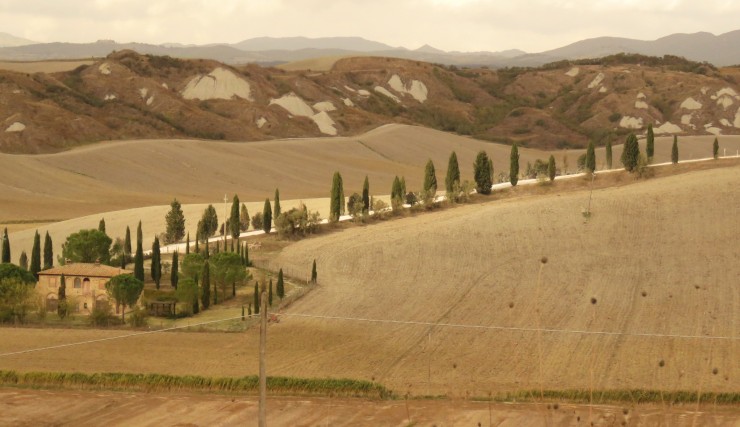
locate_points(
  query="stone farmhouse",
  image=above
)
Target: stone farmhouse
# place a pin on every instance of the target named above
(85, 285)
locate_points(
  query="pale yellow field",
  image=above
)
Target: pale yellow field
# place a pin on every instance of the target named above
(42, 66)
(324, 63)
(128, 181)
(660, 257)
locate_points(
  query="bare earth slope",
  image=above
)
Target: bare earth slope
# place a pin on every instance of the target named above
(659, 257)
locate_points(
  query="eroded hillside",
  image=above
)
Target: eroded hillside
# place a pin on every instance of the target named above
(132, 96)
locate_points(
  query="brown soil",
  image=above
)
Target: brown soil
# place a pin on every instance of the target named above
(21, 407)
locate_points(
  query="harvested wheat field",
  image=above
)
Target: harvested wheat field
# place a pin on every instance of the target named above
(34, 408)
(43, 66)
(653, 272)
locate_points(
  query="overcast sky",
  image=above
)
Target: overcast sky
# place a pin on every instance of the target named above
(466, 25)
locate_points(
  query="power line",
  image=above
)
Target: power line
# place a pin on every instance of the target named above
(135, 334)
(507, 328)
(388, 321)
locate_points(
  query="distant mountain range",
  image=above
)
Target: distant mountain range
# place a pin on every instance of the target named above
(719, 50)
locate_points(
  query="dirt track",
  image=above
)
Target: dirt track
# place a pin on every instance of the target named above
(21, 407)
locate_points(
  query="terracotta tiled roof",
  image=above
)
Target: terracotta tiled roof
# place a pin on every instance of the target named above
(84, 269)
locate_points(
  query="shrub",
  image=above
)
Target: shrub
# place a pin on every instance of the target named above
(138, 318)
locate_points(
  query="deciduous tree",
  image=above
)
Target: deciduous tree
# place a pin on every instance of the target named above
(125, 289)
(228, 271)
(87, 246)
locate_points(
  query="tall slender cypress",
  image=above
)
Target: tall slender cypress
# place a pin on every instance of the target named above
(36, 255)
(197, 249)
(551, 168)
(23, 261)
(674, 150)
(269, 294)
(590, 157)
(366, 196)
(127, 245)
(336, 198)
(267, 217)
(101, 225)
(715, 148)
(608, 154)
(139, 258)
(48, 252)
(6, 247)
(452, 179)
(174, 277)
(187, 245)
(314, 276)
(276, 212)
(256, 298)
(156, 265)
(650, 144)
(430, 180)
(631, 153)
(234, 226)
(206, 285)
(482, 174)
(280, 285)
(514, 165)
(62, 298)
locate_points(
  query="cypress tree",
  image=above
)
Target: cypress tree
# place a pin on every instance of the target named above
(139, 258)
(276, 212)
(482, 173)
(267, 217)
(243, 218)
(336, 198)
(366, 196)
(403, 187)
(175, 221)
(280, 285)
(453, 174)
(101, 225)
(234, 225)
(246, 254)
(197, 249)
(123, 262)
(430, 180)
(490, 168)
(715, 148)
(48, 252)
(590, 158)
(631, 153)
(608, 154)
(127, 245)
(23, 261)
(196, 308)
(514, 165)
(206, 285)
(650, 146)
(187, 245)
(156, 266)
(6, 247)
(256, 298)
(269, 294)
(313, 272)
(396, 188)
(674, 150)
(62, 298)
(36, 255)
(551, 168)
(175, 269)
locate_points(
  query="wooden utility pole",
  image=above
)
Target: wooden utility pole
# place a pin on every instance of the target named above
(263, 345)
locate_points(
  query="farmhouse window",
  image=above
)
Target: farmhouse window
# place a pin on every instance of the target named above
(78, 282)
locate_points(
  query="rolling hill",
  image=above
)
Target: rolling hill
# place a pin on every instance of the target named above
(563, 105)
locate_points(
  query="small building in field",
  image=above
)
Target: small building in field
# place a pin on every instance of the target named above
(84, 286)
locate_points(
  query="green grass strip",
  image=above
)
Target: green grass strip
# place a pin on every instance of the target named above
(340, 387)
